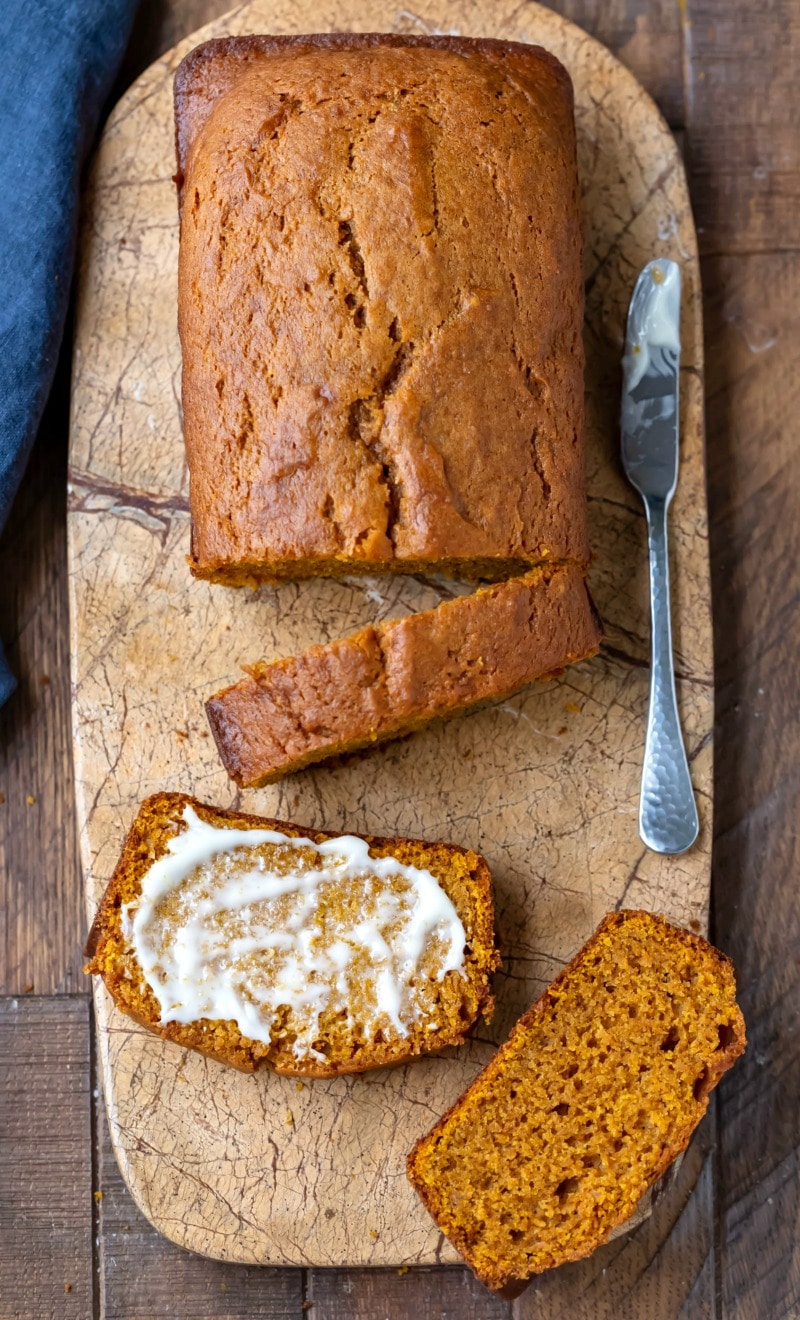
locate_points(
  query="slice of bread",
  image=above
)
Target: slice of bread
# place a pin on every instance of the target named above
(597, 1089)
(350, 921)
(396, 677)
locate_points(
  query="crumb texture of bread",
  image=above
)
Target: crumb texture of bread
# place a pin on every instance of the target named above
(393, 678)
(381, 331)
(340, 1046)
(599, 1086)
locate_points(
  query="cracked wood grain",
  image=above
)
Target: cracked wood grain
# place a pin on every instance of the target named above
(251, 1168)
(142, 1275)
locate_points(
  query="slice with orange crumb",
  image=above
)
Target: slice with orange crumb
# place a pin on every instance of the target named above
(598, 1088)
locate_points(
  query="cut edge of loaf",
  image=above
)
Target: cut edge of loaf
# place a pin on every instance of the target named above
(353, 746)
(229, 732)
(509, 1284)
(110, 957)
(275, 571)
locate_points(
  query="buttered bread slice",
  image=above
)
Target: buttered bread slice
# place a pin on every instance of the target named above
(599, 1086)
(259, 942)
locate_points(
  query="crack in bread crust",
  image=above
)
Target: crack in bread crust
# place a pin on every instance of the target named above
(596, 1091)
(343, 279)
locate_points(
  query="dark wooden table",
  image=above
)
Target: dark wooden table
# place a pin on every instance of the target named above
(726, 1242)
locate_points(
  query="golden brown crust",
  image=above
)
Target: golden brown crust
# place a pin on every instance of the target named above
(390, 679)
(381, 337)
(210, 69)
(498, 1276)
(463, 874)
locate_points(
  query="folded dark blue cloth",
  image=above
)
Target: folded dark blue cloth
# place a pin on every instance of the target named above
(58, 61)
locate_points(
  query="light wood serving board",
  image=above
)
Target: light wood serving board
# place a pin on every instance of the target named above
(254, 1168)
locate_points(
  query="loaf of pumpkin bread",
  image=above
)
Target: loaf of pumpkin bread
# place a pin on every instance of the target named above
(258, 942)
(393, 678)
(381, 327)
(597, 1089)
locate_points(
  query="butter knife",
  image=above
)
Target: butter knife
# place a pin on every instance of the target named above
(668, 821)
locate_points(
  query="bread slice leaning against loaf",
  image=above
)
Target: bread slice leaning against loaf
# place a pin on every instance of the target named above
(597, 1089)
(393, 678)
(302, 947)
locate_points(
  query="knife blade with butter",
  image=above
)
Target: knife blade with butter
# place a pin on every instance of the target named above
(668, 821)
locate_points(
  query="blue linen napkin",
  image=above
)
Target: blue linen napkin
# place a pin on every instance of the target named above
(58, 61)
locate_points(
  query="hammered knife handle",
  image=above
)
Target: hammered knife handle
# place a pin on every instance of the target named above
(668, 821)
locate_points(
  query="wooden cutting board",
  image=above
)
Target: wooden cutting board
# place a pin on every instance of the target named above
(258, 1168)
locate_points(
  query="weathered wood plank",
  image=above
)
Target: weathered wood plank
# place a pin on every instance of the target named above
(647, 38)
(664, 1270)
(743, 108)
(41, 917)
(45, 1157)
(753, 346)
(142, 1276)
(447, 1293)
